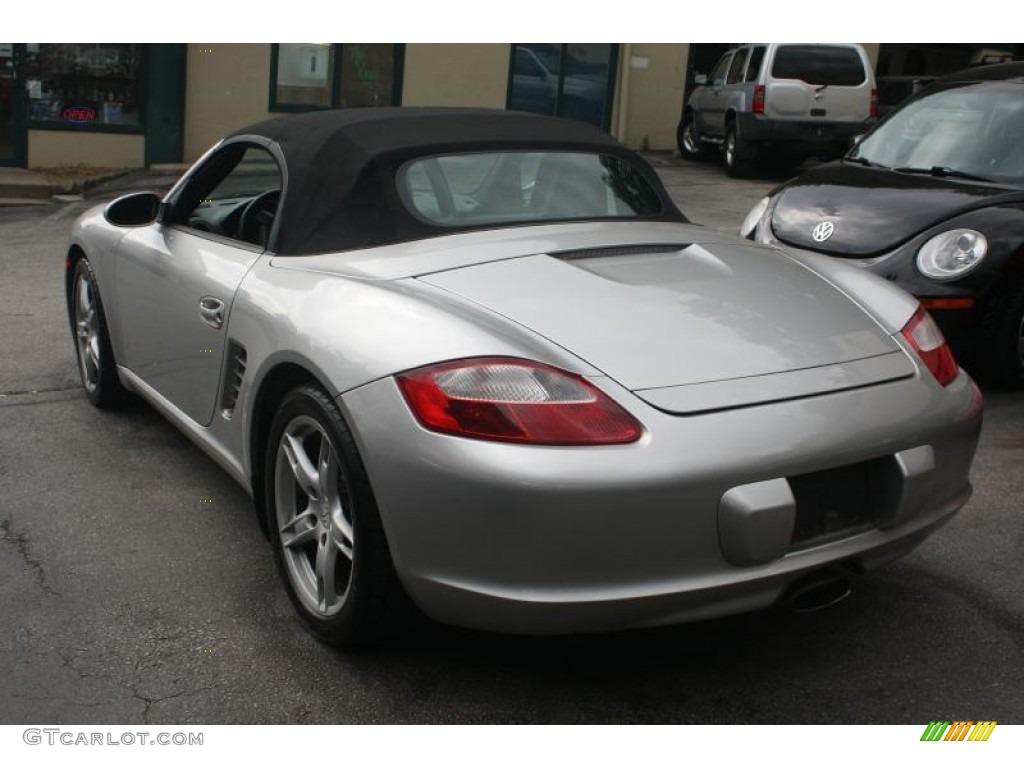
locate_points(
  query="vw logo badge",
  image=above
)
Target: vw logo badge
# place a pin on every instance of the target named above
(823, 231)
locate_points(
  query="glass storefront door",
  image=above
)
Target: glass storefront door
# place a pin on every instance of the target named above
(12, 125)
(574, 81)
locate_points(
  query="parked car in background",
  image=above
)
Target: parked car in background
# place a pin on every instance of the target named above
(933, 200)
(477, 362)
(780, 103)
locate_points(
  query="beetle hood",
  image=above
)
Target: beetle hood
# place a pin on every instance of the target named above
(871, 210)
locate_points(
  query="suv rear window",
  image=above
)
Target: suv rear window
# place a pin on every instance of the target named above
(819, 64)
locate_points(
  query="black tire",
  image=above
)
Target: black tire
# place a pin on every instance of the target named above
(1005, 346)
(737, 153)
(688, 139)
(362, 603)
(96, 365)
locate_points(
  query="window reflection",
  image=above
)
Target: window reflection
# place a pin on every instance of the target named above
(564, 80)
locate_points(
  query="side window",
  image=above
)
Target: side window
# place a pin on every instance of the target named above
(754, 64)
(736, 68)
(526, 65)
(717, 75)
(234, 194)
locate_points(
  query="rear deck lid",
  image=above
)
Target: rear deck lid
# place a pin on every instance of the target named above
(657, 320)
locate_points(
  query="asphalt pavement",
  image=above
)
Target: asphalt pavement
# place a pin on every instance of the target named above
(125, 597)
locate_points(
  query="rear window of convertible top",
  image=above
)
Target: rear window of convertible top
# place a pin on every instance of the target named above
(482, 188)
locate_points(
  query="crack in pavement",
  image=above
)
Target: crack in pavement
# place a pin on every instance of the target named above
(21, 545)
(130, 688)
(150, 702)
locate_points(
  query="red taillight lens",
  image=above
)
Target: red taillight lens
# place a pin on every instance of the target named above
(874, 103)
(758, 104)
(518, 401)
(927, 340)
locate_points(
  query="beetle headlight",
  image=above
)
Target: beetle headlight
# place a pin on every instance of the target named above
(952, 254)
(750, 223)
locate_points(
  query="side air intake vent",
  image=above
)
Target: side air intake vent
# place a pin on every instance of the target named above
(620, 250)
(233, 380)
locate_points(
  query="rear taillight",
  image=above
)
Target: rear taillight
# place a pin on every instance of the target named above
(874, 103)
(518, 401)
(927, 340)
(758, 105)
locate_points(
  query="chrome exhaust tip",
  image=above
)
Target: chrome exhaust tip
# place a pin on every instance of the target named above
(816, 591)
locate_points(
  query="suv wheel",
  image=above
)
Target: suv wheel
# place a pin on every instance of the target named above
(736, 153)
(688, 139)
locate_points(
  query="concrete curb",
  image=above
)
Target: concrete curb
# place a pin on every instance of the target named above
(79, 187)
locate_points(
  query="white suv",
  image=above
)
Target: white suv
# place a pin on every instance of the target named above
(782, 102)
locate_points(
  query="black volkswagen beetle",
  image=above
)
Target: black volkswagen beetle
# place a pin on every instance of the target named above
(932, 199)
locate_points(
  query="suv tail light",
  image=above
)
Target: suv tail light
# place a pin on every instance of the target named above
(927, 340)
(758, 105)
(874, 103)
(518, 401)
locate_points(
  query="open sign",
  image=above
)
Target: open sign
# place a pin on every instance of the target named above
(79, 114)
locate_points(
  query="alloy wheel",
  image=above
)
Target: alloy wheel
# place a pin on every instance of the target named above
(315, 524)
(87, 331)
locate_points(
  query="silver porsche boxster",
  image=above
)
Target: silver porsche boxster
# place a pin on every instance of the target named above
(476, 365)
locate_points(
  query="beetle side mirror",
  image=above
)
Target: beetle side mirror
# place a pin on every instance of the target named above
(700, 80)
(134, 210)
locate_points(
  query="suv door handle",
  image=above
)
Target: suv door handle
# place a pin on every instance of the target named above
(211, 309)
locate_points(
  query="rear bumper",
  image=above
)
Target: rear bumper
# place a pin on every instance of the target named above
(541, 540)
(810, 132)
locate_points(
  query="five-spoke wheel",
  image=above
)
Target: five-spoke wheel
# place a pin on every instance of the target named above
(329, 542)
(92, 342)
(314, 521)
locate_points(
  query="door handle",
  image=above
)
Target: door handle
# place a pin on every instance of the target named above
(211, 309)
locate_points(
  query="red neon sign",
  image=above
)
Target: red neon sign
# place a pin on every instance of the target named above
(79, 114)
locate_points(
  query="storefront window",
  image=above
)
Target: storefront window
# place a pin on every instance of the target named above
(367, 76)
(305, 74)
(321, 75)
(565, 80)
(79, 84)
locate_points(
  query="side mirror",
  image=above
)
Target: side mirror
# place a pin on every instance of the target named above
(134, 210)
(856, 139)
(701, 79)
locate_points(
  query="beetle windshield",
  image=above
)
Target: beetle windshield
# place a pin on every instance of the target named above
(967, 131)
(524, 186)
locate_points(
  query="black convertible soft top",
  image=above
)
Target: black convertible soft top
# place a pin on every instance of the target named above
(340, 191)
